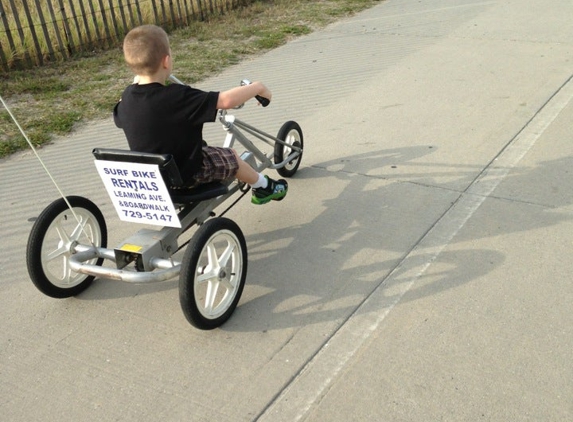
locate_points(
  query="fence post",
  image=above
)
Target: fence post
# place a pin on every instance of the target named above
(187, 14)
(94, 20)
(86, 25)
(33, 32)
(78, 30)
(105, 24)
(163, 11)
(172, 13)
(20, 32)
(3, 58)
(201, 13)
(114, 19)
(191, 3)
(8, 35)
(181, 17)
(62, 48)
(45, 31)
(67, 30)
(155, 12)
(139, 17)
(122, 13)
(130, 12)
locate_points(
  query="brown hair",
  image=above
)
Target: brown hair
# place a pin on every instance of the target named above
(144, 47)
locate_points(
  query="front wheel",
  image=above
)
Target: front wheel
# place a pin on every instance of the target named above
(291, 134)
(213, 273)
(52, 240)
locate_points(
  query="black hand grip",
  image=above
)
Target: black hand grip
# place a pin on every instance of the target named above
(262, 100)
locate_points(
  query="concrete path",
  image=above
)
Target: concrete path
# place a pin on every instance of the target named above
(418, 270)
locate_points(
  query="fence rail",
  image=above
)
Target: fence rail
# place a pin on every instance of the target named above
(33, 32)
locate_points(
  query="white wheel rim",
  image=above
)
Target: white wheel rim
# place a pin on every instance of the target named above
(58, 243)
(292, 137)
(218, 274)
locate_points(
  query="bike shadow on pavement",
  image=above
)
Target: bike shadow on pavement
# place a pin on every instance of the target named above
(344, 243)
(324, 269)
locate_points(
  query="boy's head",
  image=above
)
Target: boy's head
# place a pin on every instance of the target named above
(144, 49)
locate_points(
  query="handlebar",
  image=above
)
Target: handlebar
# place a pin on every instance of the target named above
(172, 78)
(262, 100)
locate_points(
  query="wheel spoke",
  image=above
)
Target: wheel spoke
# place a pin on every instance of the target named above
(67, 275)
(211, 295)
(212, 257)
(211, 270)
(206, 276)
(63, 245)
(226, 254)
(229, 283)
(78, 230)
(56, 253)
(62, 232)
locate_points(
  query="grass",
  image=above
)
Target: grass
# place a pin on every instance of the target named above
(55, 99)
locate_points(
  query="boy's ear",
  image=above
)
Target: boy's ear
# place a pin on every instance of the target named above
(165, 61)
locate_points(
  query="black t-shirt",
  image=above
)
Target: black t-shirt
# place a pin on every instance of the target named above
(167, 120)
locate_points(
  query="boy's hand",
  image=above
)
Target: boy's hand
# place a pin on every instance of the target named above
(264, 97)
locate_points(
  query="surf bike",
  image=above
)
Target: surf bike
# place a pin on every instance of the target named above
(67, 245)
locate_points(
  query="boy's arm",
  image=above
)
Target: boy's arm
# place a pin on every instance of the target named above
(236, 96)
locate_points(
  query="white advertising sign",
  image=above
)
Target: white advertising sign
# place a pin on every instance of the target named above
(138, 193)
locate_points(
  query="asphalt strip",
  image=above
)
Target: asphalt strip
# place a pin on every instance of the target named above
(314, 380)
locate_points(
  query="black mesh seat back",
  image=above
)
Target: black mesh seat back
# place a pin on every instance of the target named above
(166, 163)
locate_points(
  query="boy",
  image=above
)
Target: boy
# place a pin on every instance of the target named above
(169, 119)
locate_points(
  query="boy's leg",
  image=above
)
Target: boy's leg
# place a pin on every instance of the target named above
(224, 163)
(246, 173)
(264, 188)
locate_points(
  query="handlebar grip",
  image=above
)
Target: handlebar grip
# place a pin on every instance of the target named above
(262, 100)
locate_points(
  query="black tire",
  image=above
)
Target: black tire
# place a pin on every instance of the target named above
(291, 133)
(213, 273)
(51, 243)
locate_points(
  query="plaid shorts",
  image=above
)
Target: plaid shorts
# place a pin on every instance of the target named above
(218, 164)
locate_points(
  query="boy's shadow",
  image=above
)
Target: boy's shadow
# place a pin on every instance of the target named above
(322, 270)
(330, 226)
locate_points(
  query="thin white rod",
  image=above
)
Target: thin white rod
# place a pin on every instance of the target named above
(44, 166)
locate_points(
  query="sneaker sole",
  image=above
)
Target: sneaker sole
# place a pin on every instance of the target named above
(273, 197)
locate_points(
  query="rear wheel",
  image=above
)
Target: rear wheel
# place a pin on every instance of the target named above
(291, 134)
(52, 240)
(213, 273)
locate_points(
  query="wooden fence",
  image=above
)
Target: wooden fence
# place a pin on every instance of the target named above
(33, 32)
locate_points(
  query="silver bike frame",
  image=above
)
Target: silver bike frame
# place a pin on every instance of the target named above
(158, 246)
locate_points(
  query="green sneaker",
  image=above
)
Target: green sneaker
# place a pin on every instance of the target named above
(275, 190)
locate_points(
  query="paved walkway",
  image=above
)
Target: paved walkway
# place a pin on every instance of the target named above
(418, 270)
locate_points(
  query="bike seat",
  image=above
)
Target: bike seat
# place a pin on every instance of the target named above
(169, 171)
(183, 195)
